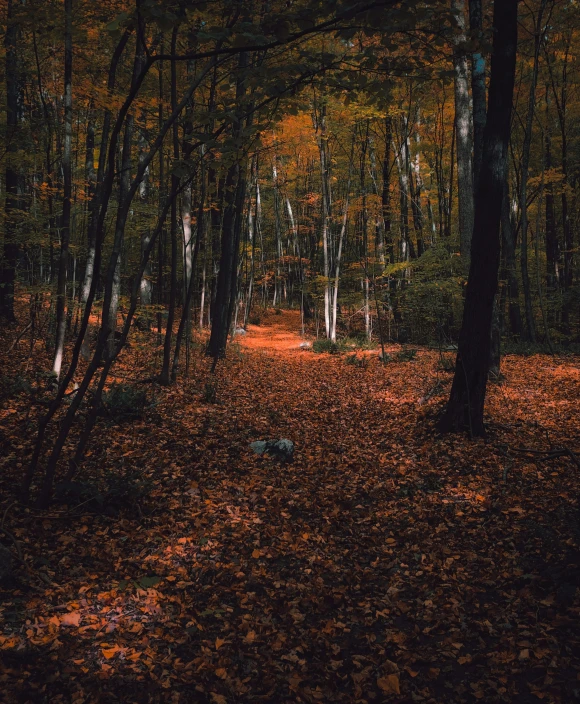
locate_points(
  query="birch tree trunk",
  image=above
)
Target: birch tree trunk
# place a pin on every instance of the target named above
(67, 194)
(326, 210)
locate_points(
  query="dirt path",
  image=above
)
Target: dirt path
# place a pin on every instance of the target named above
(280, 335)
(384, 564)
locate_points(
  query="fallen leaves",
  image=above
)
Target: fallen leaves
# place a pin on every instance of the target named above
(389, 684)
(384, 564)
(71, 619)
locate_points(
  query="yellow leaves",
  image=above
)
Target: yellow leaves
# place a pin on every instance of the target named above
(218, 643)
(222, 673)
(250, 637)
(256, 553)
(389, 684)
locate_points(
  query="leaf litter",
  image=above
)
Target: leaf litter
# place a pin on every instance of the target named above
(385, 563)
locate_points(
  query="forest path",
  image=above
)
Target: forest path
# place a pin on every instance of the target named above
(383, 559)
(281, 334)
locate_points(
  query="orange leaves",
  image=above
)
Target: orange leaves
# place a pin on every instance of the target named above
(72, 619)
(250, 637)
(385, 561)
(109, 652)
(389, 684)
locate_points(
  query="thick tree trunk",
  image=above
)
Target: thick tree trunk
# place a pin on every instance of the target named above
(464, 134)
(466, 402)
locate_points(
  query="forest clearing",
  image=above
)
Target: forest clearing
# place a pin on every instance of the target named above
(383, 563)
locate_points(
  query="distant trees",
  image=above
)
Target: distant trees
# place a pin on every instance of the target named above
(163, 163)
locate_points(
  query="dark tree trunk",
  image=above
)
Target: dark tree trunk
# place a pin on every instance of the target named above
(525, 164)
(165, 378)
(95, 200)
(13, 102)
(231, 227)
(552, 245)
(509, 248)
(386, 192)
(466, 402)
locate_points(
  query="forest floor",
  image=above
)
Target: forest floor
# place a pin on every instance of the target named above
(385, 563)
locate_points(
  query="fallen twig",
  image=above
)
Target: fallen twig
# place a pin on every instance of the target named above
(549, 454)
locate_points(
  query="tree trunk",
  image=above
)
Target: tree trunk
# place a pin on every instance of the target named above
(165, 378)
(464, 132)
(525, 166)
(326, 211)
(67, 193)
(386, 191)
(13, 109)
(509, 247)
(225, 285)
(96, 200)
(552, 246)
(466, 402)
(477, 87)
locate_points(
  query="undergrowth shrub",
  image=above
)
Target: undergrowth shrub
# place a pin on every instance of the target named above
(254, 319)
(406, 355)
(125, 402)
(446, 363)
(356, 361)
(119, 492)
(13, 386)
(325, 345)
(209, 393)
(360, 342)
(432, 299)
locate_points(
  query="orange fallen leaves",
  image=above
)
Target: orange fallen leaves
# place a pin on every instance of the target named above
(386, 562)
(389, 684)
